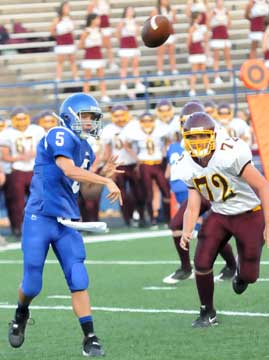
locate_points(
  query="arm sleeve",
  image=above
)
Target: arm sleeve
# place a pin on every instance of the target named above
(61, 142)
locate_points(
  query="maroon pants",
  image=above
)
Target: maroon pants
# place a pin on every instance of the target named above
(216, 230)
(148, 173)
(16, 189)
(128, 183)
(89, 209)
(177, 224)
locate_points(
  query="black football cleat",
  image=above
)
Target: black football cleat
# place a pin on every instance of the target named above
(17, 330)
(207, 318)
(92, 347)
(179, 275)
(239, 286)
(226, 273)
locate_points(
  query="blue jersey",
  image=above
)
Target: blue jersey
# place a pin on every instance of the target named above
(173, 154)
(51, 192)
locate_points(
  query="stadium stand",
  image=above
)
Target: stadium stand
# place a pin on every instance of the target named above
(22, 69)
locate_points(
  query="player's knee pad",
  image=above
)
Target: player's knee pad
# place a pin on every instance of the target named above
(202, 265)
(32, 282)
(79, 279)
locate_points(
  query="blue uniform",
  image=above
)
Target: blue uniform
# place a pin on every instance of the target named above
(177, 186)
(54, 195)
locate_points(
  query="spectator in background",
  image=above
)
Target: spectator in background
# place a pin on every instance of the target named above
(256, 12)
(197, 6)
(4, 35)
(211, 108)
(197, 37)
(62, 28)
(45, 119)
(19, 148)
(265, 46)
(164, 8)
(127, 32)
(220, 22)
(102, 8)
(91, 41)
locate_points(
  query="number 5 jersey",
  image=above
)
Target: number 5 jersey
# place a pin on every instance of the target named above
(52, 193)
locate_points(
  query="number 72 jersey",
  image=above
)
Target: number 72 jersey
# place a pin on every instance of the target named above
(220, 181)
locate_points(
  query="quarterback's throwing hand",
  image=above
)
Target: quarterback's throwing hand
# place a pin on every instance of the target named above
(114, 192)
(110, 167)
(184, 241)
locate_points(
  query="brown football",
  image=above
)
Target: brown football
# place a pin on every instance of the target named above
(156, 31)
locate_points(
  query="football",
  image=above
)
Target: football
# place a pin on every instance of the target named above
(156, 31)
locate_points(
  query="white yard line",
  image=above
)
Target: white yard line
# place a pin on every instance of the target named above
(142, 311)
(159, 288)
(105, 238)
(117, 262)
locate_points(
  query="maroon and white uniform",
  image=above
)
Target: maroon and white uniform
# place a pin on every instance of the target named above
(112, 135)
(128, 42)
(200, 7)
(219, 27)
(128, 182)
(235, 207)
(239, 128)
(169, 15)
(149, 149)
(257, 15)
(93, 58)
(64, 36)
(103, 10)
(19, 179)
(196, 48)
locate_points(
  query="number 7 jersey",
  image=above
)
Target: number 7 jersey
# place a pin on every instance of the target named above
(220, 181)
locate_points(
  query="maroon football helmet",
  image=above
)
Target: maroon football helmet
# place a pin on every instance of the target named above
(199, 134)
(188, 109)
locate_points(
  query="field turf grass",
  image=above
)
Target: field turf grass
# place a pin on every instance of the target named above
(136, 334)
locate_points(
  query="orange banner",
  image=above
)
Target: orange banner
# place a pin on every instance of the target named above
(259, 110)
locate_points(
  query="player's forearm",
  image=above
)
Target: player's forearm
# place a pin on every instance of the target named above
(263, 194)
(85, 176)
(189, 220)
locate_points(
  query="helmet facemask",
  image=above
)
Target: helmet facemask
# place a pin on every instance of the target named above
(47, 122)
(199, 142)
(147, 123)
(87, 123)
(165, 113)
(224, 116)
(21, 121)
(120, 117)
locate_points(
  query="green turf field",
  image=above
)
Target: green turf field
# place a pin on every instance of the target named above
(133, 320)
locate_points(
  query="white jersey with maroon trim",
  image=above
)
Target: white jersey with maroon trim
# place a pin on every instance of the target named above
(113, 135)
(239, 128)
(149, 147)
(174, 126)
(20, 142)
(220, 181)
